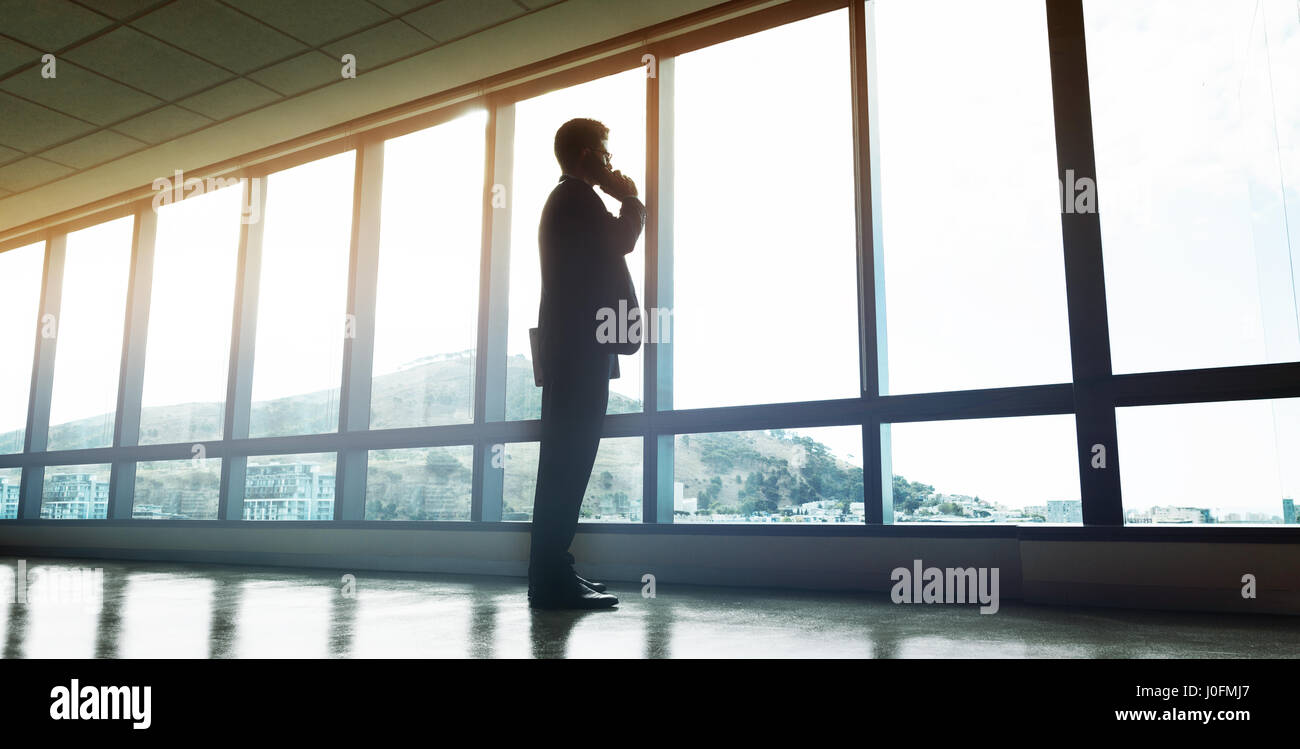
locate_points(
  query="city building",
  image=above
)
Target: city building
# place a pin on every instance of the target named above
(1064, 511)
(288, 491)
(79, 496)
(9, 492)
(1172, 514)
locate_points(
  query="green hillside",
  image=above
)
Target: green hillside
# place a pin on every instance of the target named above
(730, 473)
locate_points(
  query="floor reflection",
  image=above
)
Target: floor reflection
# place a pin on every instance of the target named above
(71, 609)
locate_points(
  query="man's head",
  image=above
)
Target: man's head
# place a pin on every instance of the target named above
(582, 150)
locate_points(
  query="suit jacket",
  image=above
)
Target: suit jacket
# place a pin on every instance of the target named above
(581, 247)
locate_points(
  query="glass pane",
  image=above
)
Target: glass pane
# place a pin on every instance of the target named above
(20, 296)
(301, 315)
(429, 249)
(974, 270)
(1231, 462)
(953, 471)
(290, 487)
(187, 355)
(88, 355)
(429, 483)
(1197, 130)
(770, 476)
(177, 489)
(10, 483)
(75, 492)
(764, 248)
(613, 492)
(618, 101)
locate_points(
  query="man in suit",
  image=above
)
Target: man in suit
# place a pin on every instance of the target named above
(582, 247)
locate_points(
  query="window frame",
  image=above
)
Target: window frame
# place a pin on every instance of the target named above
(1091, 397)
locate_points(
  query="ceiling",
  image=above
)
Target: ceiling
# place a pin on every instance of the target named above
(133, 74)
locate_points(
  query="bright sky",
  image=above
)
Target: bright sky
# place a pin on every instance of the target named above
(303, 305)
(618, 101)
(187, 358)
(430, 243)
(93, 308)
(1198, 156)
(20, 294)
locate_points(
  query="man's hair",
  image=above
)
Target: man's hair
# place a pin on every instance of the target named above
(575, 135)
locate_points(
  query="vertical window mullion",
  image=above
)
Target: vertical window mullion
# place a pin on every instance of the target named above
(239, 387)
(494, 290)
(877, 497)
(1085, 281)
(359, 344)
(130, 381)
(658, 456)
(36, 436)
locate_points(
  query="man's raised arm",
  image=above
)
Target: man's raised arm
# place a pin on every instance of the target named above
(620, 234)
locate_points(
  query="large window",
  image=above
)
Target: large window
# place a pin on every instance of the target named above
(192, 296)
(770, 476)
(1006, 470)
(1197, 130)
(1230, 462)
(289, 487)
(10, 485)
(613, 492)
(760, 268)
(764, 249)
(177, 489)
(618, 101)
(88, 330)
(75, 492)
(428, 483)
(301, 315)
(20, 295)
(974, 276)
(429, 249)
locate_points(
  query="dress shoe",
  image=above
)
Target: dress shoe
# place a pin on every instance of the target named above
(572, 595)
(598, 587)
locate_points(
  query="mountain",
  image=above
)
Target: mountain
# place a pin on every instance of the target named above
(735, 473)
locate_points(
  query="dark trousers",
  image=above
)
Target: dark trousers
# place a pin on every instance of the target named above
(573, 410)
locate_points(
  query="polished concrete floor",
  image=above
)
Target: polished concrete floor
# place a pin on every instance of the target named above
(157, 610)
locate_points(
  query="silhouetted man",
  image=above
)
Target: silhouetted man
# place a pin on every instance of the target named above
(582, 248)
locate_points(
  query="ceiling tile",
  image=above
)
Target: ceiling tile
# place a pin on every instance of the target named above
(14, 55)
(80, 93)
(120, 9)
(8, 154)
(147, 64)
(30, 127)
(49, 25)
(401, 6)
(301, 73)
(93, 149)
(162, 124)
(314, 21)
(219, 34)
(452, 19)
(229, 99)
(381, 44)
(30, 172)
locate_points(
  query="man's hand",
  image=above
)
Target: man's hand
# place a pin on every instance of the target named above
(618, 186)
